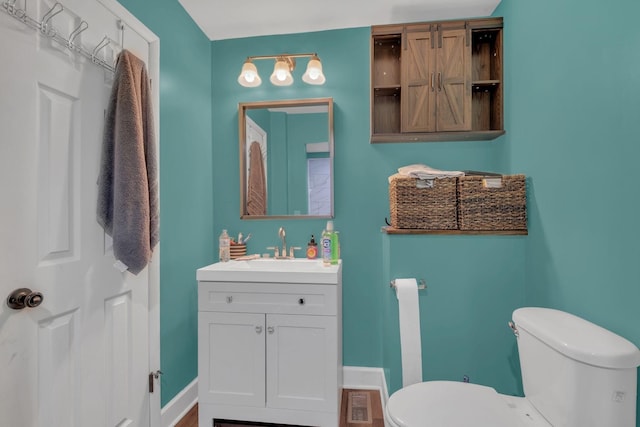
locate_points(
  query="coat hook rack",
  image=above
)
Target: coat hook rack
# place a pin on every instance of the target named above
(46, 28)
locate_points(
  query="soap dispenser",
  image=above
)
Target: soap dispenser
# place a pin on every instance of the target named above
(312, 248)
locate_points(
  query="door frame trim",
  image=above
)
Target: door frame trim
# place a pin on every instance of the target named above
(153, 70)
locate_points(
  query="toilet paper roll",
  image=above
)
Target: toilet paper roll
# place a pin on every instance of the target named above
(410, 343)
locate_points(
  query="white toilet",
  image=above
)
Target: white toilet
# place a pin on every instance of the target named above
(574, 373)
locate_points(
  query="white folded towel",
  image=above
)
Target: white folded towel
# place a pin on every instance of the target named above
(426, 172)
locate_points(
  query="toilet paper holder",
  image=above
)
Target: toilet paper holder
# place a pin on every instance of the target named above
(422, 284)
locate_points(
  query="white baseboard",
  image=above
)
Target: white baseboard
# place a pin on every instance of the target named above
(355, 377)
(366, 378)
(178, 407)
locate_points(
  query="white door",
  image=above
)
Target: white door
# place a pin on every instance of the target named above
(82, 357)
(301, 362)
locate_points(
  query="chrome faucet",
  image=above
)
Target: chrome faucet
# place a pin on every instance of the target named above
(277, 253)
(282, 234)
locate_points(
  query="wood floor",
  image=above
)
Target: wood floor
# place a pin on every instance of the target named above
(353, 414)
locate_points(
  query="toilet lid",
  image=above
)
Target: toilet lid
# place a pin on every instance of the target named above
(449, 403)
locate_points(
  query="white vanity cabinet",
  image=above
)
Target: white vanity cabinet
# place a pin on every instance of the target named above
(269, 344)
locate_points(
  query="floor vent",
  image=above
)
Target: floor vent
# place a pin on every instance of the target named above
(359, 408)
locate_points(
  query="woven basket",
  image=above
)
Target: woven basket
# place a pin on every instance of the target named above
(492, 203)
(423, 204)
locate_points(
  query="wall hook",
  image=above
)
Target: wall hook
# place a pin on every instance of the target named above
(75, 33)
(45, 26)
(104, 43)
(10, 5)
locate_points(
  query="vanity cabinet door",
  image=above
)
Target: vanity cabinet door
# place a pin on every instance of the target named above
(231, 358)
(302, 355)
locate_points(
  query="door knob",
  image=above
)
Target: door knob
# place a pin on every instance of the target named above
(24, 297)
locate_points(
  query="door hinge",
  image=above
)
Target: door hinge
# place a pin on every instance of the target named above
(153, 376)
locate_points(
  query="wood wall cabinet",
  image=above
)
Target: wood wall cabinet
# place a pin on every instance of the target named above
(437, 81)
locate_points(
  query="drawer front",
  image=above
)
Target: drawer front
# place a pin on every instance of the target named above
(267, 298)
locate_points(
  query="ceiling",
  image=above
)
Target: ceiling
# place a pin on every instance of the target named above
(230, 19)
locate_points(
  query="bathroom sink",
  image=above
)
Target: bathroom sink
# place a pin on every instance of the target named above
(270, 270)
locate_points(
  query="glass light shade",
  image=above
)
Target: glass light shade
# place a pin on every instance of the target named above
(281, 74)
(249, 75)
(314, 75)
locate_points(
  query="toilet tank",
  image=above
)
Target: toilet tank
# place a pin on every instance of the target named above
(575, 373)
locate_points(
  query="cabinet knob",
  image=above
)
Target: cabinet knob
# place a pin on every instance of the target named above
(258, 330)
(271, 329)
(301, 301)
(229, 299)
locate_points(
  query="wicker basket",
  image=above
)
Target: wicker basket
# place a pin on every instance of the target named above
(492, 202)
(423, 204)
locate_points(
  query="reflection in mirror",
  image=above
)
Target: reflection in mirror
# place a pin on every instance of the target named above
(286, 158)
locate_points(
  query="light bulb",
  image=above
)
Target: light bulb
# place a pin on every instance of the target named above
(249, 75)
(314, 75)
(281, 74)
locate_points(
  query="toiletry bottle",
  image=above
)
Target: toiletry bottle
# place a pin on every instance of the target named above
(326, 243)
(335, 247)
(224, 246)
(312, 248)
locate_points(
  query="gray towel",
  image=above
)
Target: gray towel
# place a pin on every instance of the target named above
(128, 184)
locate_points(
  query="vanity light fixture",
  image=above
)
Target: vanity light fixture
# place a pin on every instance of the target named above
(284, 66)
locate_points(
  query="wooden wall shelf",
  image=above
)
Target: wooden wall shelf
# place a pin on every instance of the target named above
(391, 230)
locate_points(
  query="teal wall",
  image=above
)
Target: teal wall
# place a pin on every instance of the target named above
(473, 285)
(573, 108)
(186, 206)
(572, 101)
(474, 280)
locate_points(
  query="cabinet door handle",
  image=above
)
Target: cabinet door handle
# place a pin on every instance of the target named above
(439, 82)
(229, 299)
(433, 82)
(301, 301)
(271, 329)
(258, 330)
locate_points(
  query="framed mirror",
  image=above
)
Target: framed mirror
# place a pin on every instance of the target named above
(286, 158)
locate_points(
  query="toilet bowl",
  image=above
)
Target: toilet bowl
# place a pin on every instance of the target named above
(449, 403)
(574, 374)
